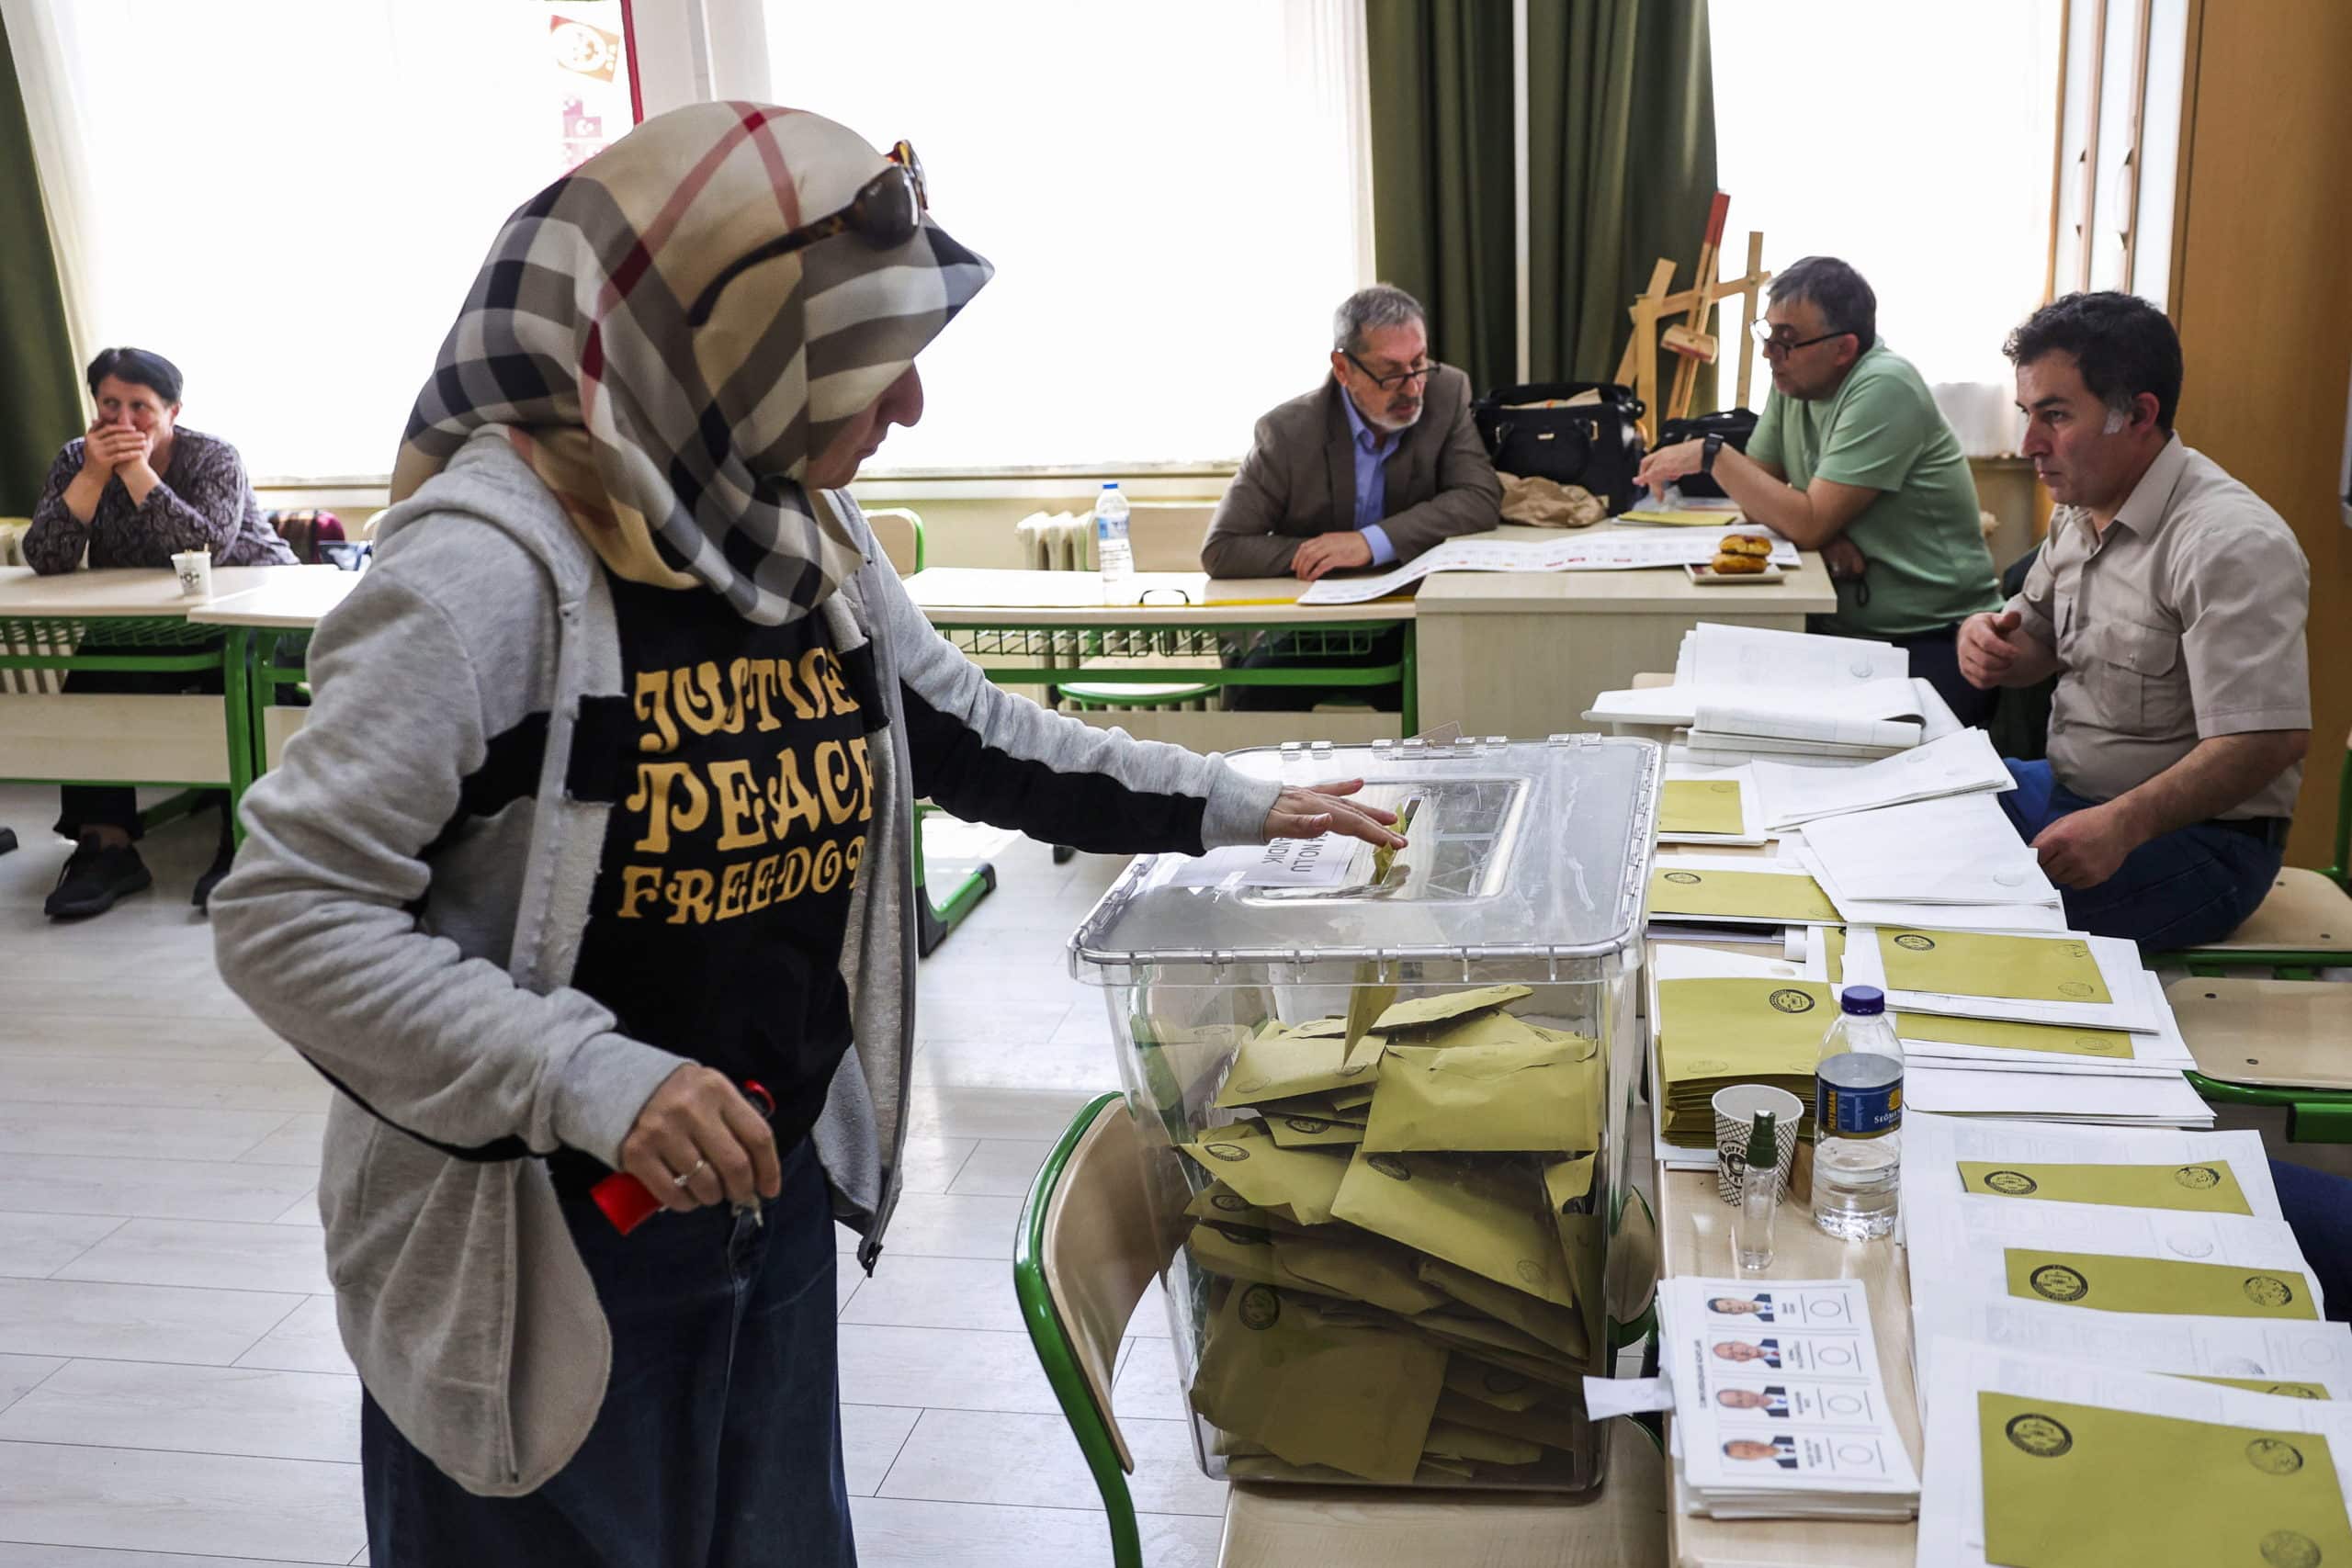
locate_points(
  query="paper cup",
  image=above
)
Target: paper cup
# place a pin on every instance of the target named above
(1735, 1109)
(195, 568)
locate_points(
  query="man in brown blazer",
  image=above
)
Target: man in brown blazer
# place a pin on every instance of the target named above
(1374, 467)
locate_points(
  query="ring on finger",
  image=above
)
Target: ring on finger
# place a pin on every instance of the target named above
(700, 1166)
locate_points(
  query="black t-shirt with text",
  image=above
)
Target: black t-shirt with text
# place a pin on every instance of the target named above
(742, 795)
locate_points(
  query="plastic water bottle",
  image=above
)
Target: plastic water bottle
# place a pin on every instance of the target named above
(1858, 1120)
(1112, 551)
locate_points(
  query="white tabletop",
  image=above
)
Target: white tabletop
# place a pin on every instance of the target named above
(131, 590)
(296, 597)
(954, 595)
(1804, 592)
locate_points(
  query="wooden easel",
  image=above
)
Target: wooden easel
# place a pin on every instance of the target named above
(1638, 368)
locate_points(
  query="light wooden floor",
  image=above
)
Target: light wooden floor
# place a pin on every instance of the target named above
(172, 1393)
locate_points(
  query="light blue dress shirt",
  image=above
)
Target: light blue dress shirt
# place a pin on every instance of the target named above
(1372, 453)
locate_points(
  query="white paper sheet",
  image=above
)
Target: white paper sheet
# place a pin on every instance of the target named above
(1960, 764)
(1608, 550)
(2056, 1096)
(1959, 848)
(2178, 1346)
(1951, 1509)
(1714, 654)
(1959, 1248)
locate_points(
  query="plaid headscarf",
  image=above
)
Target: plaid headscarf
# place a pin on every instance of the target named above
(678, 451)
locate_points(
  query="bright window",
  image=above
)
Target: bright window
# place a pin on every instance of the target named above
(1913, 142)
(288, 199)
(1172, 196)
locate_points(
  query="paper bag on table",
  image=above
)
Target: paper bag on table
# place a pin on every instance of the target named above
(1269, 1176)
(2085, 1486)
(1492, 1097)
(1489, 1221)
(1276, 1371)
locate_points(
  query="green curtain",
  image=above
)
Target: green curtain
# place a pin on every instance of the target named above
(40, 393)
(1441, 174)
(1620, 164)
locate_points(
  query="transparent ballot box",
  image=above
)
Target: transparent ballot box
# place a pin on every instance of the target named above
(1382, 1099)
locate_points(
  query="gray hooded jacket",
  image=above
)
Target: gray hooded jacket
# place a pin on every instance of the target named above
(412, 896)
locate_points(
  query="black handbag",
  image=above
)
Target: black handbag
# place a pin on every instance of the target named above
(1735, 425)
(1596, 445)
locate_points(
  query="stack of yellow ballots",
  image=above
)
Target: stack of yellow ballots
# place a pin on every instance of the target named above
(1404, 1247)
(1715, 1032)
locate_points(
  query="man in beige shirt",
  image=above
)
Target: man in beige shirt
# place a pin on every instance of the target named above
(2169, 600)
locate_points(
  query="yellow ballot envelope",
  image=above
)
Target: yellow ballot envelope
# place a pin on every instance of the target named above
(1468, 1376)
(1492, 1222)
(1282, 1067)
(1484, 1098)
(2165, 1285)
(1239, 1252)
(2209, 1186)
(1219, 1201)
(1761, 896)
(1422, 1012)
(1359, 1266)
(1978, 963)
(2278, 1386)
(1301, 1181)
(1701, 806)
(1553, 1330)
(2084, 1486)
(1303, 1132)
(2003, 1035)
(1318, 1389)
(1717, 1031)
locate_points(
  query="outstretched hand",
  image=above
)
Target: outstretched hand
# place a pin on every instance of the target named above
(1311, 813)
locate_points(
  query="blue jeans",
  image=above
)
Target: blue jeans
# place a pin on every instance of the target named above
(2196, 885)
(2319, 1207)
(719, 1441)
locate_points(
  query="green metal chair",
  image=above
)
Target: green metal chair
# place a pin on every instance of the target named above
(1083, 1257)
(2303, 926)
(899, 532)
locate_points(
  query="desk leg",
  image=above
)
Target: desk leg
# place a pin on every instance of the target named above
(1409, 719)
(238, 688)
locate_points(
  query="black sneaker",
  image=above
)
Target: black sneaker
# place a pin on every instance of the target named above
(93, 878)
(221, 863)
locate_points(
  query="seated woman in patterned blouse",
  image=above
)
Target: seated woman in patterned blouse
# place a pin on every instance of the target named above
(134, 492)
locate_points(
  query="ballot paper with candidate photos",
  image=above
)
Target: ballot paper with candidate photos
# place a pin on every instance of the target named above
(2109, 1259)
(2043, 1462)
(1774, 1420)
(2029, 1162)
(2296, 1360)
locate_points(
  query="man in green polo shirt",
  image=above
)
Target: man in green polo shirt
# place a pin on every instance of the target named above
(1853, 458)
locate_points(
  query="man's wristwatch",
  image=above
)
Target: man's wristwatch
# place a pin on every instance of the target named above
(1707, 450)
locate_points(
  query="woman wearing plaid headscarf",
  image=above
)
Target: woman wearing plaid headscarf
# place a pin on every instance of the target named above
(593, 861)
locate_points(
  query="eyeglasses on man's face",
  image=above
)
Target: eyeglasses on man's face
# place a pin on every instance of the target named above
(1782, 346)
(1396, 378)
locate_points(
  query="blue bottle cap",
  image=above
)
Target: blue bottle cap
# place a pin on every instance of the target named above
(1863, 1001)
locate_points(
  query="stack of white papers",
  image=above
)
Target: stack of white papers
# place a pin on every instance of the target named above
(1779, 1404)
(2034, 1460)
(1713, 654)
(1953, 861)
(1962, 763)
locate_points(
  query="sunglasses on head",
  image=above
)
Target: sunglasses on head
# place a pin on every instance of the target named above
(885, 213)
